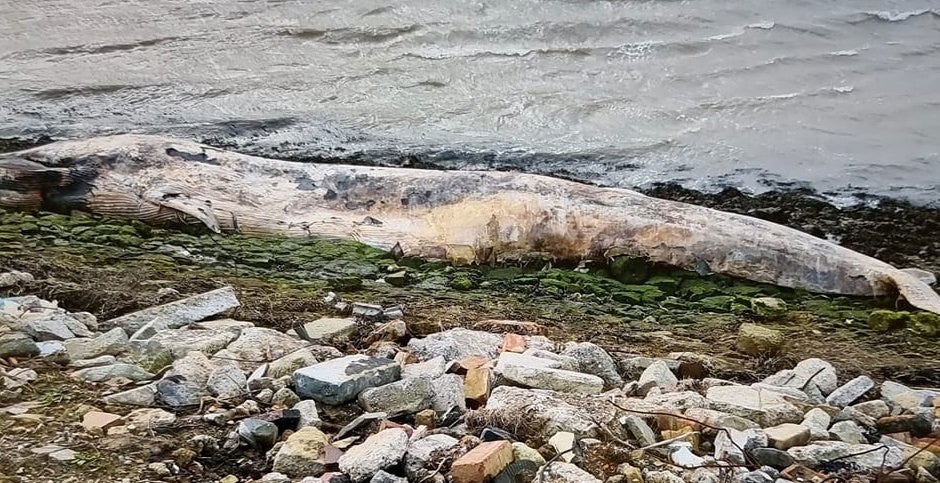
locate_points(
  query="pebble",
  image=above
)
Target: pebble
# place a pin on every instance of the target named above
(569, 473)
(868, 456)
(308, 413)
(285, 398)
(850, 391)
(847, 432)
(338, 381)
(303, 454)
(406, 396)
(658, 375)
(787, 435)
(418, 457)
(764, 407)
(378, 452)
(594, 360)
(813, 371)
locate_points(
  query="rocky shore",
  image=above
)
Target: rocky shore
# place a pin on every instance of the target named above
(181, 391)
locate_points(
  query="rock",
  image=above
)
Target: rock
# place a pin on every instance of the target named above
(447, 394)
(785, 391)
(17, 344)
(284, 398)
(594, 360)
(482, 463)
(662, 477)
(46, 327)
(54, 351)
(478, 384)
(308, 413)
(772, 457)
(640, 430)
(516, 326)
(432, 368)
(258, 433)
(406, 396)
(764, 407)
(185, 383)
(386, 477)
(787, 435)
(368, 311)
(285, 366)
(850, 391)
(522, 452)
(103, 373)
(179, 342)
(816, 371)
(456, 344)
(181, 312)
(847, 432)
(14, 277)
(873, 409)
(139, 396)
(817, 421)
(658, 375)
(536, 373)
(148, 419)
(275, 477)
(549, 412)
(420, 453)
(567, 363)
(559, 472)
(730, 442)
(378, 452)
(303, 454)
(755, 340)
(95, 362)
(113, 342)
(513, 343)
(227, 381)
(340, 380)
(327, 329)
(563, 442)
(868, 457)
(905, 423)
(257, 345)
(720, 419)
(97, 422)
(914, 456)
(768, 306)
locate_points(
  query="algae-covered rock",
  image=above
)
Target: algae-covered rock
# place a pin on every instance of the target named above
(717, 303)
(755, 340)
(885, 320)
(629, 269)
(768, 306)
(925, 323)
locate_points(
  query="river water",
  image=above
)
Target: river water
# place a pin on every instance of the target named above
(843, 97)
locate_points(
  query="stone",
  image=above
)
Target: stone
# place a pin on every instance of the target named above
(338, 381)
(763, 407)
(914, 457)
(730, 442)
(103, 373)
(447, 394)
(532, 372)
(456, 344)
(406, 396)
(46, 327)
(431, 368)
(138, 396)
(98, 421)
(559, 472)
(784, 391)
(426, 418)
(15, 277)
(818, 422)
(787, 435)
(848, 432)
(658, 375)
(385, 477)
(816, 371)
(640, 430)
(522, 452)
(181, 312)
(755, 340)
(873, 409)
(772, 457)
(185, 383)
(54, 351)
(113, 342)
(257, 345)
(594, 360)
(868, 457)
(513, 343)
(227, 381)
(549, 412)
(477, 384)
(368, 311)
(481, 463)
(285, 366)
(94, 362)
(327, 329)
(678, 400)
(258, 433)
(563, 442)
(275, 477)
(308, 413)
(915, 424)
(303, 454)
(850, 391)
(17, 344)
(768, 306)
(284, 398)
(148, 419)
(567, 363)
(420, 453)
(179, 342)
(378, 452)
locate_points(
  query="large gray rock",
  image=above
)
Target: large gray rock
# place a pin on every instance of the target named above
(185, 383)
(103, 373)
(658, 375)
(818, 422)
(431, 368)
(257, 345)
(564, 362)
(594, 360)
(406, 396)
(303, 454)
(559, 472)
(730, 442)
(113, 342)
(17, 344)
(227, 381)
(764, 407)
(179, 342)
(720, 419)
(640, 430)
(139, 396)
(47, 326)
(549, 412)
(868, 457)
(338, 381)
(378, 452)
(539, 374)
(810, 371)
(848, 432)
(257, 433)
(181, 312)
(327, 329)
(286, 365)
(420, 452)
(850, 391)
(448, 394)
(456, 344)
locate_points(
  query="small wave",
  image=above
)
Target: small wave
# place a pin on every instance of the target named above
(768, 25)
(440, 54)
(55, 93)
(107, 48)
(763, 25)
(351, 35)
(887, 16)
(844, 53)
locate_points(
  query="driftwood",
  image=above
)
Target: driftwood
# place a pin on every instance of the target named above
(463, 216)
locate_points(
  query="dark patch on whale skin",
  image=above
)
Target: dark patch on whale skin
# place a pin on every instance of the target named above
(195, 158)
(305, 184)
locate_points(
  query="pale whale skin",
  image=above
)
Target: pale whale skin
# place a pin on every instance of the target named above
(464, 216)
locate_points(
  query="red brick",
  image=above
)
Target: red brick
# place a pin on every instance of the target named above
(482, 463)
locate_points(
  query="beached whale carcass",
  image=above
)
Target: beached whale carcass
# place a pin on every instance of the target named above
(459, 215)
